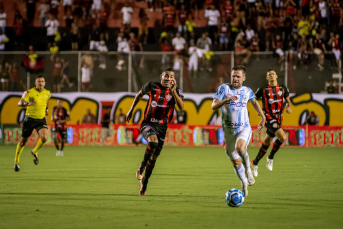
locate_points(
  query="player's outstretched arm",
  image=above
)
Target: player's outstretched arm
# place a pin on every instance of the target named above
(288, 106)
(217, 103)
(260, 113)
(138, 98)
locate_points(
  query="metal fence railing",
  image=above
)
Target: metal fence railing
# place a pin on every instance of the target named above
(128, 72)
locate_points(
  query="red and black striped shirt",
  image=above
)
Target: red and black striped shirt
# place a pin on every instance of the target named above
(273, 99)
(161, 103)
(59, 114)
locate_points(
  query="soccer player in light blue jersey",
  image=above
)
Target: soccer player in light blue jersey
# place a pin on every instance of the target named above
(232, 99)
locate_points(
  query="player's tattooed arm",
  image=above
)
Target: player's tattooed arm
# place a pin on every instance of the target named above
(138, 98)
(288, 106)
(217, 103)
(178, 100)
(260, 113)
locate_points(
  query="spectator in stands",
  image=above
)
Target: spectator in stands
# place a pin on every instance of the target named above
(96, 6)
(30, 11)
(249, 33)
(336, 49)
(304, 26)
(255, 43)
(123, 50)
(3, 40)
(252, 8)
(278, 47)
(94, 38)
(166, 46)
(103, 20)
(331, 89)
(14, 78)
(103, 53)
(65, 74)
(169, 18)
(126, 14)
(183, 17)
(312, 119)
(54, 4)
(43, 11)
(224, 34)
(203, 47)
(67, 7)
(5, 76)
(322, 6)
(86, 77)
(193, 60)
(212, 16)
(89, 118)
(195, 6)
(290, 8)
(77, 12)
(337, 13)
(121, 118)
(51, 25)
(18, 28)
(150, 5)
(179, 44)
(240, 43)
(261, 14)
(228, 11)
(3, 18)
(57, 72)
(270, 26)
(87, 7)
(143, 31)
(241, 12)
(319, 49)
(135, 45)
(303, 51)
(75, 35)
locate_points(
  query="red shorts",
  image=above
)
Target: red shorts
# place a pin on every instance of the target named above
(85, 85)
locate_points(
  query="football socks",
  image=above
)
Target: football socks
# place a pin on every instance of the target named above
(17, 153)
(240, 172)
(38, 146)
(150, 149)
(276, 146)
(148, 170)
(261, 153)
(246, 161)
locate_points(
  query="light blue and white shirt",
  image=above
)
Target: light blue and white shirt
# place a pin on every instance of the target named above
(234, 114)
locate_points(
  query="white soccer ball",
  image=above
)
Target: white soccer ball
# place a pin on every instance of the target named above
(234, 198)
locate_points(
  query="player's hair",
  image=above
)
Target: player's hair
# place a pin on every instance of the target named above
(238, 68)
(168, 70)
(40, 76)
(270, 69)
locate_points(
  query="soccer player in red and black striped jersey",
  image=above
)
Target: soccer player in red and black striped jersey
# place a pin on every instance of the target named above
(158, 112)
(273, 96)
(60, 116)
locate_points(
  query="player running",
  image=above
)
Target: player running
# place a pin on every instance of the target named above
(59, 116)
(273, 99)
(232, 99)
(158, 112)
(36, 102)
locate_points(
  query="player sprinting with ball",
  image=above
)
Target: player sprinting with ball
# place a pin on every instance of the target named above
(232, 99)
(273, 98)
(159, 111)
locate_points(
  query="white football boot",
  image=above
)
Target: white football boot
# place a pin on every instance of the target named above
(251, 179)
(254, 168)
(57, 153)
(269, 164)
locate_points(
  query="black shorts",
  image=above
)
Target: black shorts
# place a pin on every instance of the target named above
(148, 129)
(212, 29)
(30, 123)
(62, 132)
(51, 38)
(272, 126)
(57, 80)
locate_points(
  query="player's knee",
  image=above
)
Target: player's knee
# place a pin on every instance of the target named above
(240, 149)
(282, 138)
(44, 138)
(153, 145)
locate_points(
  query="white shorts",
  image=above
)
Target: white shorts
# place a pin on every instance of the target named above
(93, 45)
(193, 64)
(66, 3)
(279, 52)
(231, 140)
(96, 5)
(337, 53)
(201, 52)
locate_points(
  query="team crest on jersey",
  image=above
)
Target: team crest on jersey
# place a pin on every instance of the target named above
(168, 97)
(280, 93)
(271, 101)
(154, 104)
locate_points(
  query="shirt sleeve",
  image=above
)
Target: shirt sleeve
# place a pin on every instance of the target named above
(252, 95)
(66, 112)
(26, 96)
(220, 93)
(286, 91)
(180, 93)
(258, 93)
(146, 88)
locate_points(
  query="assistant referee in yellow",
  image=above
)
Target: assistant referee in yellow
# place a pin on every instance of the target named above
(36, 102)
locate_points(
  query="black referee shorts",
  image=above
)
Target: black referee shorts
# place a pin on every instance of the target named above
(272, 126)
(149, 129)
(30, 123)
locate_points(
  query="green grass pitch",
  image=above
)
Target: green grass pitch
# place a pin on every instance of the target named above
(94, 187)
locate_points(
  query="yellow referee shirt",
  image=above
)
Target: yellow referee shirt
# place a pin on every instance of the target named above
(36, 111)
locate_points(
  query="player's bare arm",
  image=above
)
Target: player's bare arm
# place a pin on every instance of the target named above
(258, 108)
(288, 106)
(67, 119)
(179, 101)
(23, 103)
(138, 98)
(216, 104)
